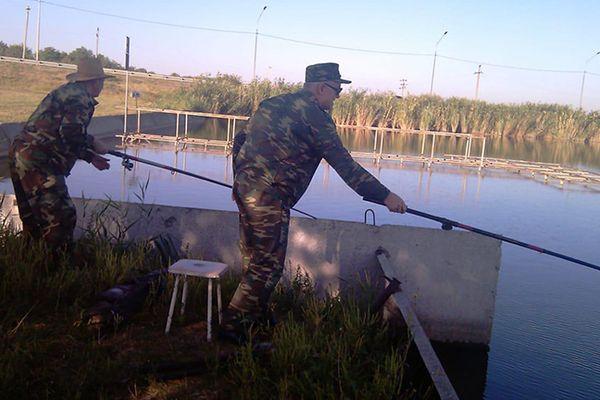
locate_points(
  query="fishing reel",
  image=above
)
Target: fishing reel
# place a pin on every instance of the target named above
(127, 164)
(446, 226)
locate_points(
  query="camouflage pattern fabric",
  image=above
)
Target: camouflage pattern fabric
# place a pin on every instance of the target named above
(286, 139)
(44, 153)
(263, 241)
(274, 160)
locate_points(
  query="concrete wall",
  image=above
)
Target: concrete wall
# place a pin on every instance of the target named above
(450, 276)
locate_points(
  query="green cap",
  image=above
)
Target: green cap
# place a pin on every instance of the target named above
(324, 72)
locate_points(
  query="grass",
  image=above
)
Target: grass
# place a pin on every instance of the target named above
(22, 87)
(325, 348)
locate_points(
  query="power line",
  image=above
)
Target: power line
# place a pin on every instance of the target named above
(509, 66)
(146, 21)
(310, 43)
(330, 46)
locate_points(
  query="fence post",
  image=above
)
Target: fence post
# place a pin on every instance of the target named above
(482, 154)
(139, 120)
(176, 131)
(432, 150)
(186, 126)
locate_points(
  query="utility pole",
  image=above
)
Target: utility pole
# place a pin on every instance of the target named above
(434, 60)
(256, 42)
(27, 9)
(97, 40)
(478, 73)
(126, 84)
(583, 80)
(403, 86)
(37, 44)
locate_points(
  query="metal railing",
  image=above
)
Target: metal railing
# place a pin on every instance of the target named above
(183, 137)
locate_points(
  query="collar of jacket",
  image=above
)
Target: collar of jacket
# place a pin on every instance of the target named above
(84, 90)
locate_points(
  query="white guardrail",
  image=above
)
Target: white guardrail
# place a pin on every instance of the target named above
(112, 71)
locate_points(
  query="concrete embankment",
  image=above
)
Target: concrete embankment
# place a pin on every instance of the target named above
(450, 276)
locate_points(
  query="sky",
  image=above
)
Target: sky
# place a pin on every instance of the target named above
(547, 35)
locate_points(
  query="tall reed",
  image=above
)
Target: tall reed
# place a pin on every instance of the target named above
(229, 95)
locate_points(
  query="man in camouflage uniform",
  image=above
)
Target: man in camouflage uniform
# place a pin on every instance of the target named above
(43, 154)
(274, 160)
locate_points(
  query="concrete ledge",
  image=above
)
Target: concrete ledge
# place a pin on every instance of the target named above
(449, 276)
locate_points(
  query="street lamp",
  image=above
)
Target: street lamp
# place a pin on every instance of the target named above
(37, 42)
(256, 42)
(27, 9)
(583, 80)
(434, 59)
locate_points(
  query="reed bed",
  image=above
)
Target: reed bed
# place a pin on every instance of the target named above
(228, 94)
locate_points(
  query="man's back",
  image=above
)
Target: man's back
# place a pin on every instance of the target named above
(286, 139)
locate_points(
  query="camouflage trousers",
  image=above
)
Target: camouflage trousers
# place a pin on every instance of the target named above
(45, 207)
(264, 224)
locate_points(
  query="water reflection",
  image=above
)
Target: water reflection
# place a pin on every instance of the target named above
(573, 154)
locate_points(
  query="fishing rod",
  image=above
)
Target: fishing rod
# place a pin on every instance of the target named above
(128, 165)
(447, 225)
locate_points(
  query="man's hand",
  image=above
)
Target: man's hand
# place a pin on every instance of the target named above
(394, 203)
(100, 163)
(100, 147)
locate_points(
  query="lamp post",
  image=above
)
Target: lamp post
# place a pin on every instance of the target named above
(37, 43)
(583, 79)
(256, 42)
(27, 9)
(434, 60)
(97, 40)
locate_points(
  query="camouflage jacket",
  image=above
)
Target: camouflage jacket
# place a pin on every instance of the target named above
(55, 135)
(285, 141)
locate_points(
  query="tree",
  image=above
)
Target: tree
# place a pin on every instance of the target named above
(78, 54)
(14, 50)
(108, 63)
(51, 54)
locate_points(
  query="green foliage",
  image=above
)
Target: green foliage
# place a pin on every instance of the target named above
(226, 94)
(332, 347)
(327, 348)
(51, 54)
(14, 50)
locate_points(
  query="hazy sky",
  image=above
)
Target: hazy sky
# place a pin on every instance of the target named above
(547, 35)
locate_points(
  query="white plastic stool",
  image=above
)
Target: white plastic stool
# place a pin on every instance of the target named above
(203, 269)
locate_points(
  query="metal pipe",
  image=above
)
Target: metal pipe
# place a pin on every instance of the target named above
(97, 40)
(256, 42)
(37, 43)
(434, 60)
(482, 154)
(186, 126)
(583, 79)
(27, 9)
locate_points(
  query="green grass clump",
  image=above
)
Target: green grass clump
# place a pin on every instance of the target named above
(325, 347)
